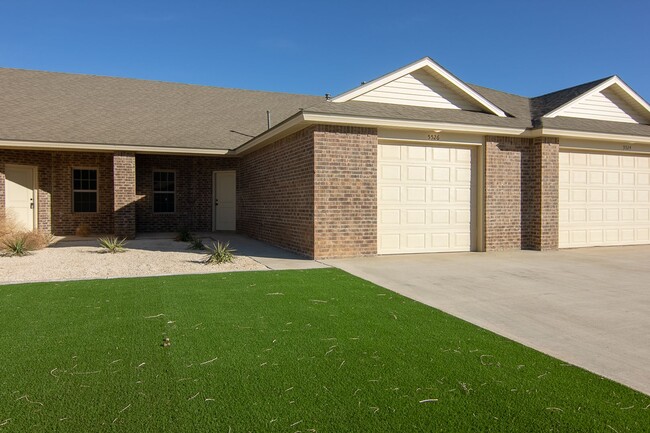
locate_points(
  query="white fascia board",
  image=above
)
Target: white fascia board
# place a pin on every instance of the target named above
(284, 128)
(413, 124)
(590, 135)
(615, 80)
(420, 64)
(46, 145)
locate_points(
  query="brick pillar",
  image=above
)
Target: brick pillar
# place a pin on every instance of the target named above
(124, 194)
(345, 191)
(546, 192)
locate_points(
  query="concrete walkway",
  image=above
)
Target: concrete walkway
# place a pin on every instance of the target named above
(589, 307)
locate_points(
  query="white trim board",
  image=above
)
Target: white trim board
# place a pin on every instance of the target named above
(430, 66)
(109, 147)
(614, 81)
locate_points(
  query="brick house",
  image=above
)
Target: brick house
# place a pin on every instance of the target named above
(414, 161)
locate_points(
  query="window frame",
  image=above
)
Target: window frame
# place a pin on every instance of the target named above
(96, 191)
(154, 192)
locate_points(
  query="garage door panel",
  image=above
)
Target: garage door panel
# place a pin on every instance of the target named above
(428, 208)
(604, 199)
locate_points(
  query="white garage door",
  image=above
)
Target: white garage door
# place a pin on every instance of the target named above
(604, 199)
(424, 199)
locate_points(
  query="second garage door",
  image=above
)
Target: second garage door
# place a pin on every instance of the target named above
(604, 199)
(424, 199)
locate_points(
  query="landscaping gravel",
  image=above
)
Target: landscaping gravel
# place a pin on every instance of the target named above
(77, 260)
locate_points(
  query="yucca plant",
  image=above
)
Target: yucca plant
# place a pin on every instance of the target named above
(112, 244)
(219, 253)
(196, 244)
(16, 245)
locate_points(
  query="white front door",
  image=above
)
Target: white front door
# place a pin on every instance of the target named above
(224, 188)
(424, 201)
(20, 200)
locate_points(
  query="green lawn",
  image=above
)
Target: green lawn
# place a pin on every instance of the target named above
(311, 351)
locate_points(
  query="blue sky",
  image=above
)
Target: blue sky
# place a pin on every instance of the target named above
(523, 47)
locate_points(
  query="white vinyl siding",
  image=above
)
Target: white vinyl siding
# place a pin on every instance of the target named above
(421, 89)
(424, 199)
(604, 105)
(604, 199)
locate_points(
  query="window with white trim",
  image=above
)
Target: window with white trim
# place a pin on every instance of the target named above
(84, 190)
(164, 191)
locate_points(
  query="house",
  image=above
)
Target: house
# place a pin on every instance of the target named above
(414, 161)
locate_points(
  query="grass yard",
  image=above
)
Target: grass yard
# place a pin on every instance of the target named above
(310, 351)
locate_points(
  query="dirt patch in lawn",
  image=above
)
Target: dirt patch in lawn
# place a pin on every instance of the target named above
(85, 260)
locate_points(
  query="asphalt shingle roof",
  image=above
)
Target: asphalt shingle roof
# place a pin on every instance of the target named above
(72, 108)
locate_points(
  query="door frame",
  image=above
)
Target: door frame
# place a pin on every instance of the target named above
(477, 197)
(35, 187)
(214, 196)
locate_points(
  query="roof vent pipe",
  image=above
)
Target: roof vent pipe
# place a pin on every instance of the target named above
(268, 119)
(328, 97)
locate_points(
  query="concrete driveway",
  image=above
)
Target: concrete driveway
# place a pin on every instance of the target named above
(589, 307)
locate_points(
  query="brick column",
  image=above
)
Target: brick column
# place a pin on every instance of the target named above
(124, 194)
(345, 191)
(546, 193)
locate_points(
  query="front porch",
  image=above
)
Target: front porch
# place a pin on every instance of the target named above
(121, 193)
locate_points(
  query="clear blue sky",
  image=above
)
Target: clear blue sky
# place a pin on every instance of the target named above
(523, 47)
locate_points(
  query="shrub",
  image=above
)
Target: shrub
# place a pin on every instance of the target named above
(37, 239)
(184, 235)
(16, 242)
(15, 245)
(196, 244)
(112, 244)
(83, 230)
(219, 253)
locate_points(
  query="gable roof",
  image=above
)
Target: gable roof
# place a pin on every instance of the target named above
(431, 67)
(544, 104)
(599, 92)
(61, 110)
(73, 108)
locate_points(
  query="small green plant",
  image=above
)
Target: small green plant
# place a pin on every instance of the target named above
(184, 235)
(16, 245)
(196, 244)
(112, 244)
(219, 253)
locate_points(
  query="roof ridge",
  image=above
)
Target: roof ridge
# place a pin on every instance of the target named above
(145, 80)
(589, 83)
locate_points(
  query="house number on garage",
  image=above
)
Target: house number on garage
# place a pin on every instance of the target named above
(627, 147)
(433, 137)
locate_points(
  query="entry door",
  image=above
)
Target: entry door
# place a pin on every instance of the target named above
(224, 187)
(20, 201)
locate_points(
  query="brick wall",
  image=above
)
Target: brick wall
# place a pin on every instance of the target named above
(345, 191)
(55, 188)
(546, 193)
(521, 193)
(124, 194)
(64, 220)
(508, 197)
(275, 193)
(193, 191)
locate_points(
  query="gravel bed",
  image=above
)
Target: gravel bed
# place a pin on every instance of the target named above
(78, 260)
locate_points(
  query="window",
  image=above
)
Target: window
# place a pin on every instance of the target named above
(164, 191)
(84, 190)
